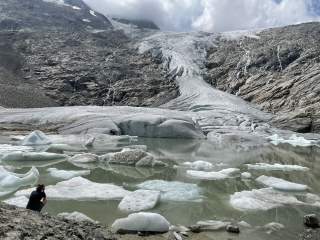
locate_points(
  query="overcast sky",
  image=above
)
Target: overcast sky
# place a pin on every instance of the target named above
(212, 15)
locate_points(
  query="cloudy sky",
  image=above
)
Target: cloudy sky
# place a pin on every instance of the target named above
(212, 15)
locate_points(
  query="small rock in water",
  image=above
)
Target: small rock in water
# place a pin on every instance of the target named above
(311, 221)
(195, 228)
(232, 229)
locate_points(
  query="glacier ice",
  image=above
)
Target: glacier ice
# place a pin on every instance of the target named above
(294, 140)
(199, 165)
(223, 174)
(280, 184)
(20, 201)
(246, 175)
(139, 200)
(141, 222)
(79, 188)
(76, 216)
(173, 191)
(32, 156)
(64, 174)
(276, 167)
(10, 181)
(36, 138)
(262, 199)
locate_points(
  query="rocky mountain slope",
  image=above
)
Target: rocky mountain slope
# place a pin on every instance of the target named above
(62, 53)
(55, 53)
(277, 69)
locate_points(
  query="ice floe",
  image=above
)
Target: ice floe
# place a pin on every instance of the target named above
(273, 227)
(173, 191)
(36, 138)
(32, 156)
(7, 148)
(141, 222)
(212, 225)
(281, 184)
(199, 165)
(76, 216)
(132, 157)
(64, 174)
(79, 188)
(10, 181)
(223, 174)
(20, 201)
(262, 199)
(84, 158)
(294, 140)
(139, 200)
(276, 167)
(246, 175)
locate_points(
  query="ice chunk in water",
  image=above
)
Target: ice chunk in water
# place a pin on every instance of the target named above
(280, 184)
(36, 138)
(84, 158)
(79, 188)
(246, 175)
(223, 174)
(199, 165)
(276, 167)
(10, 182)
(139, 200)
(6, 148)
(173, 191)
(64, 174)
(32, 156)
(20, 201)
(294, 140)
(141, 222)
(262, 199)
(76, 216)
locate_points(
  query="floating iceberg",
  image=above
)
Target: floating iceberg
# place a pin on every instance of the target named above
(280, 184)
(132, 157)
(79, 188)
(212, 225)
(76, 216)
(36, 138)
(246, 175)
(173, 191)
(199, 165)
(141, 222)
(139, 200)
(294, 140)
(262, 199)
(6, 148)
(32, 156)
(20, 201)
(10, 182)
(276, 167)
(223, 174)
(84, 158)
(64, 174)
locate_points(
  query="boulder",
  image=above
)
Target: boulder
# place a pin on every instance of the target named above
(311, 221)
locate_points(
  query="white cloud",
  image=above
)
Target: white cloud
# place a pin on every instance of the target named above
(210, 15)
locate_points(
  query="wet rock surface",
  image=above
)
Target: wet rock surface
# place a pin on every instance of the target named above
(278, 69)
(53, 55)
(311, 221)
(17, 223)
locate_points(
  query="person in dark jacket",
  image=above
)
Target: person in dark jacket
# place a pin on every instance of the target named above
(37, 199)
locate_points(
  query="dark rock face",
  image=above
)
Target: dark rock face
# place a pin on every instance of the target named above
(68, 55)
(18, 223)
(279, 71)
(311, 221)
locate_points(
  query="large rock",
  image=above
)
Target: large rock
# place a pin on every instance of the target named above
(311, 221)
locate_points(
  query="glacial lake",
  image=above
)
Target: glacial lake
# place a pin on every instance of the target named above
(214, 194)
